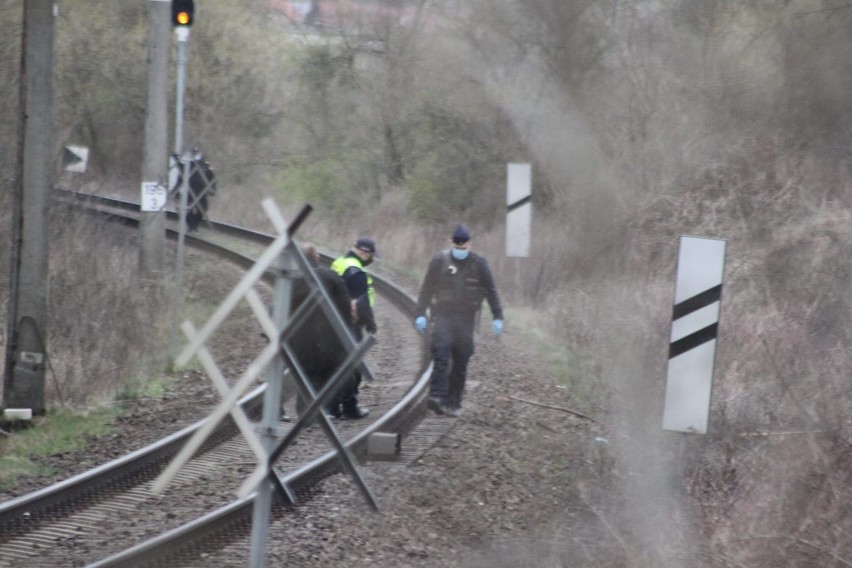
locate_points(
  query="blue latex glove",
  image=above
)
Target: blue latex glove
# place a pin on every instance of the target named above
(497, 327)
(420, 324)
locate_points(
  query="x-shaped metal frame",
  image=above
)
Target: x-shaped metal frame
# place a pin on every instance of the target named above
(230, 397)
(317, 401)
(197, 340)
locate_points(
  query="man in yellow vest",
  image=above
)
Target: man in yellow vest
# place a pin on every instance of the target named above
(350, 267)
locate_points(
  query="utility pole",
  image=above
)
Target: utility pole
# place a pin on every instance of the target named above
(154, 165)
(26, 345)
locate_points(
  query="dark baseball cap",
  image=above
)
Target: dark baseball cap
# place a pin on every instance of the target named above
(366, 245)
(461, 234)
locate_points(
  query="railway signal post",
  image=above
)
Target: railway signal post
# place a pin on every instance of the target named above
(182, 18)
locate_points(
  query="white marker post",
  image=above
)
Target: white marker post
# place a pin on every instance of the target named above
(695, 326)
(518, 210)
(518, 215)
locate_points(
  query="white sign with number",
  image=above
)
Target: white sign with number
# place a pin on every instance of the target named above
(153, 196)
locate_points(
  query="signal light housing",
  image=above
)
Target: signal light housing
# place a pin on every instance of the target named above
(183, 12)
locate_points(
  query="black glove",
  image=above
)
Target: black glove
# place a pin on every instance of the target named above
(371, 327)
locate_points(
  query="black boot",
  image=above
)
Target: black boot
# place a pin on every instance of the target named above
(333, 410)
(354, 412)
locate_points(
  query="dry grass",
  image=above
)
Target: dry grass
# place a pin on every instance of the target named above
(770, 484)
(106, 322)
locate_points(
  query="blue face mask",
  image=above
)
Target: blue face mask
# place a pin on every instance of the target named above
(460, 254)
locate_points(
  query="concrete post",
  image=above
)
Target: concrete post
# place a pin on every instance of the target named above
(155, 159)
(26, 351)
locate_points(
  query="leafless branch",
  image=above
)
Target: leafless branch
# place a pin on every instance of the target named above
(560, 408)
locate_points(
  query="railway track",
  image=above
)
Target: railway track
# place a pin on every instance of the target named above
(56, 526)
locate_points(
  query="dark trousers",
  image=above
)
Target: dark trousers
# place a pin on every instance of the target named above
(195, 214)
(348, 397)
(319, 377)
(452, 348)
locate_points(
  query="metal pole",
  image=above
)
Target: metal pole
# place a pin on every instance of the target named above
(518, 286)
(182, 34)
(681, 462)
(271, 411)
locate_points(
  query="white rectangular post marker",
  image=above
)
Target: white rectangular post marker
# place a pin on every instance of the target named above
(695, 326)
(518, 210)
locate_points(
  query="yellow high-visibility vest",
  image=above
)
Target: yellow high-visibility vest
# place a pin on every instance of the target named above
(341, 264)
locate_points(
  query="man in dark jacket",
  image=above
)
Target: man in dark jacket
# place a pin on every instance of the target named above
(317, 345)
(202, 186)
(456, 282)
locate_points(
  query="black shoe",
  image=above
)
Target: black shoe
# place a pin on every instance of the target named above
(435, 405)
(355, 413)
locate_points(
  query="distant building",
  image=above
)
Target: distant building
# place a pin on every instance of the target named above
(299, 12)
(344, 14)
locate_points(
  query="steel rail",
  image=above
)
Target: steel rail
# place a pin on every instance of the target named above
(401, 299)
(196, 535)
(28, 511)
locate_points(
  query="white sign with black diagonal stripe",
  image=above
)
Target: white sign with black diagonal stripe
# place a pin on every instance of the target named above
(695, 326)
(518, 209)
